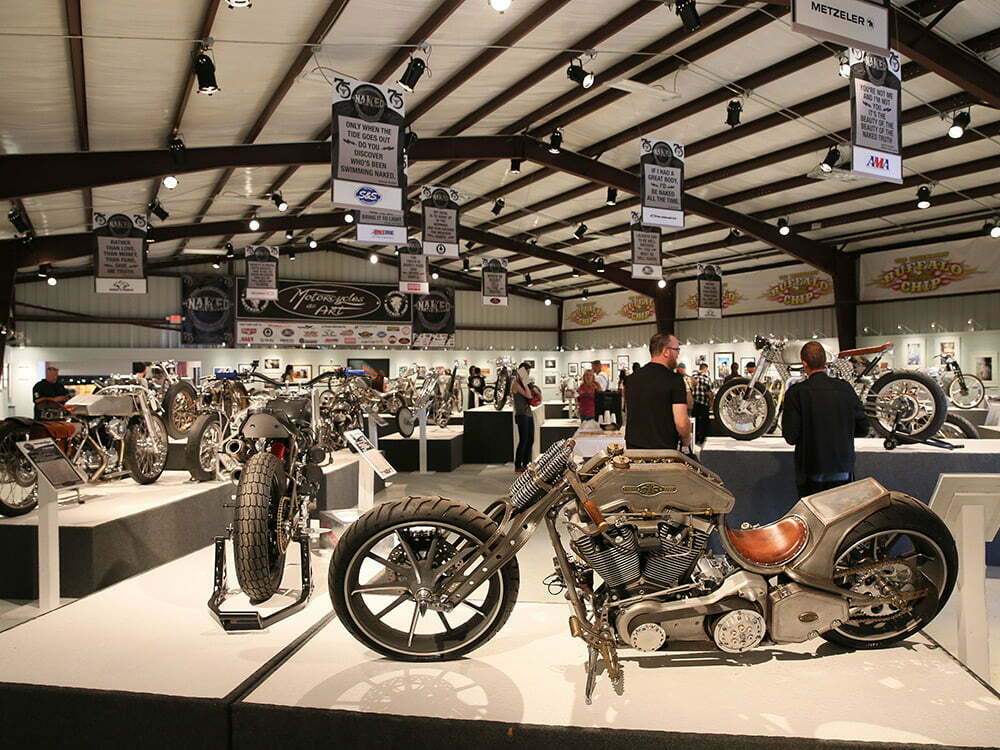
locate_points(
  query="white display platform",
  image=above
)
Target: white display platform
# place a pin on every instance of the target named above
(861, 445)
(590, 443)
(433, 432)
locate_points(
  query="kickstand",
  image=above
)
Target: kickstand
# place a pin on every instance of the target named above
(591, 674)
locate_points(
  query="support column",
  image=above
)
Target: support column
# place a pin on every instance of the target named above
(8, 274)
(665, 305)
(845, 296)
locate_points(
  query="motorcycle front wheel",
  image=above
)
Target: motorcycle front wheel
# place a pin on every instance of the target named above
(743, 412)
(501, 391)
(145, 453)
(384, 579)
(957, 428)
(966, 392)
(901, 550)
(179, 408)
(18, 482)
(405, 421)
(917, 399)
(201, 452)
(260, 536)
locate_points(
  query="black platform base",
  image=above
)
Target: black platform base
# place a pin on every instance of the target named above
(489, 436)
(444, 450)
(555, 430)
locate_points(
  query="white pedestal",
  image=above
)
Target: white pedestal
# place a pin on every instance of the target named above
(422, 437)
(48, 545)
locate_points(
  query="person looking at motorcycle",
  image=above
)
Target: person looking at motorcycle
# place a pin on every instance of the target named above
(525, 393)
(701, 395)
(288, 376)
(477, 385)
(48, 392)
(586, 396)
(657, 400)
(822, 416)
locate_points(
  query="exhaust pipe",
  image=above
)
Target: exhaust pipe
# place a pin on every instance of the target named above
(235, 447)
(236, 473)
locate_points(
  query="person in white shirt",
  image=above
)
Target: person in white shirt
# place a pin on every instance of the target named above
(602, 379)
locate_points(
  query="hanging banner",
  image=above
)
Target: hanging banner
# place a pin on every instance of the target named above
(661, 183)
(770, 290)
(709, 292)
(262, 272)
(367, 156)
(608, 310)
(440, 219)
(381, 227)
(207, 304)
(495, 281)
(646, 262)
(853, 23)
(413, 269)
(434, 318)
(875, 115)
(930, 271)
(120, 259)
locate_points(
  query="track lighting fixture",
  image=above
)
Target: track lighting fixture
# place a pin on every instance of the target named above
(348, 217)
(239, 3)
(170, 182)
(959, 123)
(992, 228)
(21, 226)
(500, 5)
(289, 235)
(409, 140)
(414, 69)
(586, 294)
(395, 251)
(843, 66)
(254, 223)
(831, 159)
(733, 111)
(158, 210)
(465, 264)
(291, 256)
(230, 251)
(313, 244)
(435, 275)
(176, 146)
(783, 227)
(204, 71)
(43, 270)
(527, 279)
(734, 234)
(279, 202)
(515, 166)
(469, 245)
(612, 198)
(688, 14)
(498, 205)
(576, 273)
(52, 281)
(580, 231)
(577, 74)
(924, 196)
(599, 262)
(555, 141)
(662, 284)
(216, 265)
(548, 302)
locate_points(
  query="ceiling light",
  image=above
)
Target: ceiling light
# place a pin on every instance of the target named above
(21, 225)
(239, 3)
(548, 302)
(959, 123)
(734, 234)
(469, 245)
(831, 159)
(465, 264)
(498, 205)
(586, 294)
(253, 224)
(52, 281)
(216, 264)
(414, 69)
(733, 111)
(924, 196)
(580, 231)
(409, 140)
(689, 14)
(662, 283)
(783, 228)
(992, 228)
(204, 70)
(500, 5)
(527, 279)
(230, 251)
(515, 166)
(170, 182)
(289, 235)
(599, 262)
(348, 217)
(612, 198)
(312, 243)
(373, 258)
(577, 74)
(291, 256)
(43, 270)
(843, 66)
(435, 275)
(555, 141)
(158, 210)
(576, 273)
(279, 202)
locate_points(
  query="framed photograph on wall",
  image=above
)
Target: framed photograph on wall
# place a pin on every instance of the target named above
(606, 367)
(723, 363)
(530, 363)
(272, 363)
(913, 354)
(550, 364)
(302, 372)
(572, 368)
(244, 367)
(550, 380)
(984, 367)
(744, 361)
(947, 346)
(584, 365)
(623, 362)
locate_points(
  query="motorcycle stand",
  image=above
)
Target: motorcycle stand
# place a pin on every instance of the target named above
(237, 620)
(897, 438)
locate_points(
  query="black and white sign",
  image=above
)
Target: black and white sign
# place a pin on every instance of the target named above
(207, 304)
(440, 219)
(853, 23)
(495, 281)
(51, 463)
(709, 292)
(646, 262)
(262, 272)
(120, 262)
(876, 91)
(367, 157)
(434, 318)
(369, 453)
(413, 269)
(381, 227)
(661, 183)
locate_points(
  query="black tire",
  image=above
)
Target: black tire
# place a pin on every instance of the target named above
(381, 520)
(501, 391)
(179, 408)
(959, 427)
(234, 398)
(405, 421)
(257, 548)
(145, 463)
(720, 398)
(904, 516)
(18, 482)
(938, 399)
(973, 384)
(195, 458)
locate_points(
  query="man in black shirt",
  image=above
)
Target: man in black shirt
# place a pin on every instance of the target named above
(656, 400)
(49, 392)
(822, 416)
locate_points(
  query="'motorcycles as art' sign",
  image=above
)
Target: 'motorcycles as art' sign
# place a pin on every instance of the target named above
(327, 301)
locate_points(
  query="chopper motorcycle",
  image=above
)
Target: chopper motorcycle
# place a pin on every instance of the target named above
(428, 578)
(965, 390)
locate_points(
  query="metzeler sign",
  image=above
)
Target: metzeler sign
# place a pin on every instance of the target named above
(854, 23)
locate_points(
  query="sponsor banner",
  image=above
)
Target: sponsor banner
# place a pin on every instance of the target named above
(968, 266)
(329, 302)
(369, 167)
(661, 181)
(616, 309)
(207, 305)
(709, 292)
(440, 220)
(853, 23)
(875, 115)
(120, 259)
(262, 272)
(646, 261)
(495, 281)
(769, 290)
(434, 318)
(381, 227)
(295, 333)
(413, 269)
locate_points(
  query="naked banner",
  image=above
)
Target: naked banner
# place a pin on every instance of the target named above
(875, 115)
(661, 183)
(120, 261)
(440, 221)
(646, 261)
(262, 272)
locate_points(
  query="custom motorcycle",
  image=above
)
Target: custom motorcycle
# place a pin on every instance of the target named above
(899, 403)
(395, 402)
(218, 401)
(177, 400)
(964, 391)
(429, 578)
(499, 391)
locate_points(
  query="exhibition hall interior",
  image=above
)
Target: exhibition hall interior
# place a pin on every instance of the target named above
(494, 373)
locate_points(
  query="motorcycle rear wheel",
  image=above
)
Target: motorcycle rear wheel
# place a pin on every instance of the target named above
(501, 391)
(918, 389)
(258, 544)
(180, 408)
(956, 427)
(18, 482)
(200, 454)
(405, 421)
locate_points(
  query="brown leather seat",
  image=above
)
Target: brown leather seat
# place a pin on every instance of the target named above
(864, 350)
(774, 544)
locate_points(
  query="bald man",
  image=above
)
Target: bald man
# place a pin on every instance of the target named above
(822, 416)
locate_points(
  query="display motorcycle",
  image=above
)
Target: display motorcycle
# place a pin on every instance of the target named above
(219, 399)
(499, 391)
(899, 403)
(374, 403)
(109, 434)
(177, 400)
(429, 578)
(964, 391)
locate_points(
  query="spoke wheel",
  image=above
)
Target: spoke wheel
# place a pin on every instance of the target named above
(18, 483)
(180, 408)
(966, 392)
(145, 452)
(201, 452)
(743, 412)
(914, 398)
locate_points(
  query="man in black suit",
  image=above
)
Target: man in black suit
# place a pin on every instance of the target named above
(822, 416)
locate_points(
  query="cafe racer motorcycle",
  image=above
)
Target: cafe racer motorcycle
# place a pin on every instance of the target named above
(429, 578)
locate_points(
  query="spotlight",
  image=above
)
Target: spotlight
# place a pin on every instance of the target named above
(599, 262)
(52, 281)
(498, 205)
(515, 166)
(688, 14)
(580, 231)
(373, 258)
(500, 5)
(465, 264)
(253, 224)
(843, 66)
(576, 273)
(395, 251)
(469, 245)
(831, 159)
(992, 228)
(279, 202)
(527, 279)
(348, 217)
(239, 3)
(176, 146)
(414, 69)
(170, 182)
(733, 111)
(435, 275)
(783, 228)
(662, 283)
(734, 234)
(577, 74)
(313, 244)
(16, 218)
(216, 265)
(555, 141)
(586, 294)
(409, 140)
(548, 302)
(289, 234)
(43, 270)
(924, 196)
(204, 70)
(157, 210)
(230, 251)
(612, 198)
(291, 256)
(959, 123)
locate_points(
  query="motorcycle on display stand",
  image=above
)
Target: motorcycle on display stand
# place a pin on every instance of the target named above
(218, 401)
(965, 391)
(428, 578)
(446, 396)
(499, 391)
(177, 399)
(904, 406)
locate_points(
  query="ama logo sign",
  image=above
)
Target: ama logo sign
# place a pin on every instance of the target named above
(878, 162)
(368, 195)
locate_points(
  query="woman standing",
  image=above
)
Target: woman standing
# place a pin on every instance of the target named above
(288, 376)
(524, 392)
(586, 396)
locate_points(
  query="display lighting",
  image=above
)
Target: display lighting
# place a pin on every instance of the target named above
(20, 223)
(688, 14)
(599, 262)
(204, 71)
(924, 196)
(435, 275)
(410, 140)
(498, 205)
(612, 198)
(831, 159)
(465, 264)
(43, 270)
(576, 273)
(662, 283)
(734, 234)
(313, 244)
(500, 5)
(291, 256)
(959, 123)
(414, 69)
(992, 228)
(254, 223)
(580, 231)
(158, 210)
(586, 294)
(176, 146)
(373, 258)
(555, 141)
(170, 182)
(733, 111)
(783, 227)
(289, 235)
(230, 251)
(515, 166)
(216, 265)
(395, 251)
(469, 245)
(52, 281)
(279, 202)
(577, 74)
(239, 3)
(527, 279)
(348, 217)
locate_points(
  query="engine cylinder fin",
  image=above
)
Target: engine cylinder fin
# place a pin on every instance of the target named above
(618, 563)
(676, 557)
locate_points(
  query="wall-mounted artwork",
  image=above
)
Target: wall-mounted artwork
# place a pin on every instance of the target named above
(550, 380)
(984, 366)
(573, 368)
(550, 364)
(623, 362)
(302, 372)
(723, 364)
(272, 363)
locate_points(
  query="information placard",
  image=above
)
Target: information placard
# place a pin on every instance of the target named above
(440, 221)
(495, 281)
(360, 442)
(853, 23)
(661, 187)
(262, 272)
(646, 260)
(51, 463)
(876, 90)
